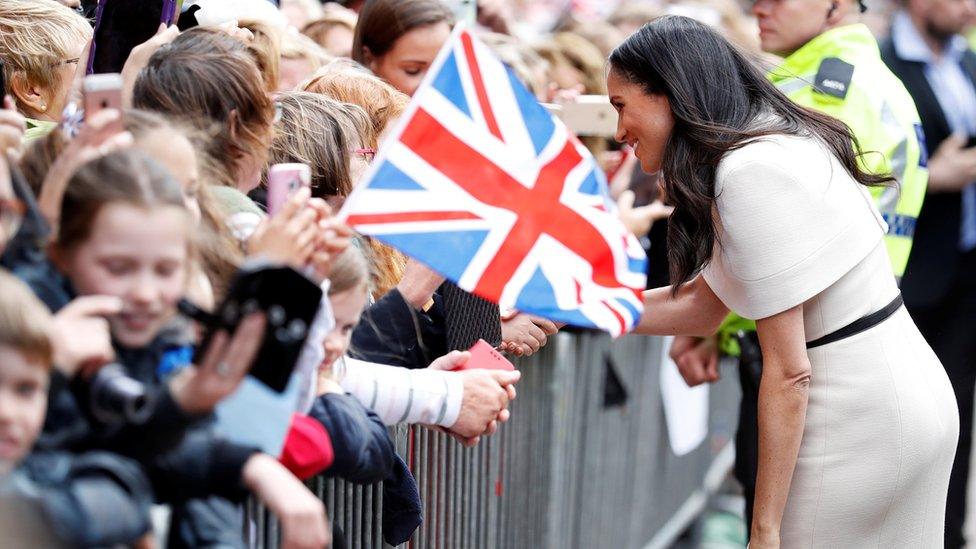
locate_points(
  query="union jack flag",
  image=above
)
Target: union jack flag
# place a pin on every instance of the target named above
(482, 184)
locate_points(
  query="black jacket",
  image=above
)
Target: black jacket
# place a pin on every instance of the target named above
(361, 444)
(934, 261)
(392, 332)
(95, 499)
(182, 458)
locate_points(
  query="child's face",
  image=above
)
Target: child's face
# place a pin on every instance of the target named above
(175, 152)
(140, 256)
(347, 307)
(23, 400)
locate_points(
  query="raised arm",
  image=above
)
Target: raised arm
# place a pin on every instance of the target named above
(695, 310)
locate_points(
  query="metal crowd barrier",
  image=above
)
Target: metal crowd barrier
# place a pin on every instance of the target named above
(574, 467)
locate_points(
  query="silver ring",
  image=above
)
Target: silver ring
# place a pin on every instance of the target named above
(223, 369)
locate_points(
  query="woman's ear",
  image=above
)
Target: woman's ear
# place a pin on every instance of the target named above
(234, 126)
(32, 99)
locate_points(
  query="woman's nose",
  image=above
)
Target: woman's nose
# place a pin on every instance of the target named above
(621, 135)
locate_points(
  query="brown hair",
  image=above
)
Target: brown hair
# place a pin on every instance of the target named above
(265, 49)
(24, 321)
(318, 29)
(128, 176)
(349, 82)
(207, 76)
(350, 271)
(382, 22)
(320, 132)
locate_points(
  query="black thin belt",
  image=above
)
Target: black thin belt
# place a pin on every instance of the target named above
(859, 325)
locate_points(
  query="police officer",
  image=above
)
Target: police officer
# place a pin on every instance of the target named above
(831, 63)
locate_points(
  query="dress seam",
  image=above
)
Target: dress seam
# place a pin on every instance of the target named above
(901, 444)
(823, 449)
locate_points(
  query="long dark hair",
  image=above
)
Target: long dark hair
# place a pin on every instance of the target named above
(716, 95)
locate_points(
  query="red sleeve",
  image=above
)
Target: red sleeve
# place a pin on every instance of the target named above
(308, 448)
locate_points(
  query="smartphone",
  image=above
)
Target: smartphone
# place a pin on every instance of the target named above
(589, 115)
(465, 11)
(284, 179)
(290, 302)
(103, 91)
(485, 357)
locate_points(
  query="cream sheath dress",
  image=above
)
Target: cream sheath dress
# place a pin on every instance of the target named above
(882, 422)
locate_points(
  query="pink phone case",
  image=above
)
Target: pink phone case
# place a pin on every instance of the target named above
(485, 357)
(284, 179)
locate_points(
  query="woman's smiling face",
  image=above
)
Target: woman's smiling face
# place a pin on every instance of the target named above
(644, 121)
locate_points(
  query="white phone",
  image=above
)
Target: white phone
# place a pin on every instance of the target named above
(588, 115)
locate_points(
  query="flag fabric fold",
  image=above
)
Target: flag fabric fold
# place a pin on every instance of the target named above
(485, 186)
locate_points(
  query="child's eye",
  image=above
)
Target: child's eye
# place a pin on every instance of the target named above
(26, 389)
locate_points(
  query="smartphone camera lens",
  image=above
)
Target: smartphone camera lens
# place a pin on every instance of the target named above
(276, 315)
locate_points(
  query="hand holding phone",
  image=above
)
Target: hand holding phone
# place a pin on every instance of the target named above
(103, 91)
(283, 180)
(485, 357)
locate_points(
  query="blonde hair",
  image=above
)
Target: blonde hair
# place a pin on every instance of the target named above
(36, 37)
(583, 56)
(349, 271)
(299, 46)
(349, 82)
(24, 321)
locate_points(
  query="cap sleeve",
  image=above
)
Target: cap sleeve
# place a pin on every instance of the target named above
(786, 234)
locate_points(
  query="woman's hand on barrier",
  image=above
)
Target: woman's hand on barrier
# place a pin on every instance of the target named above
(302, 515)
(696, 358)
(486, 396)
(197, 389)
(98, 137)
(289, 236)
(81, 337)
(524, 334)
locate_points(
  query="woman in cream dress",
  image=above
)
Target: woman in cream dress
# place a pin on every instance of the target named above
(857, 421)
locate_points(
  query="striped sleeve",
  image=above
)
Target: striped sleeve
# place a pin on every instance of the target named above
(401, 395)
